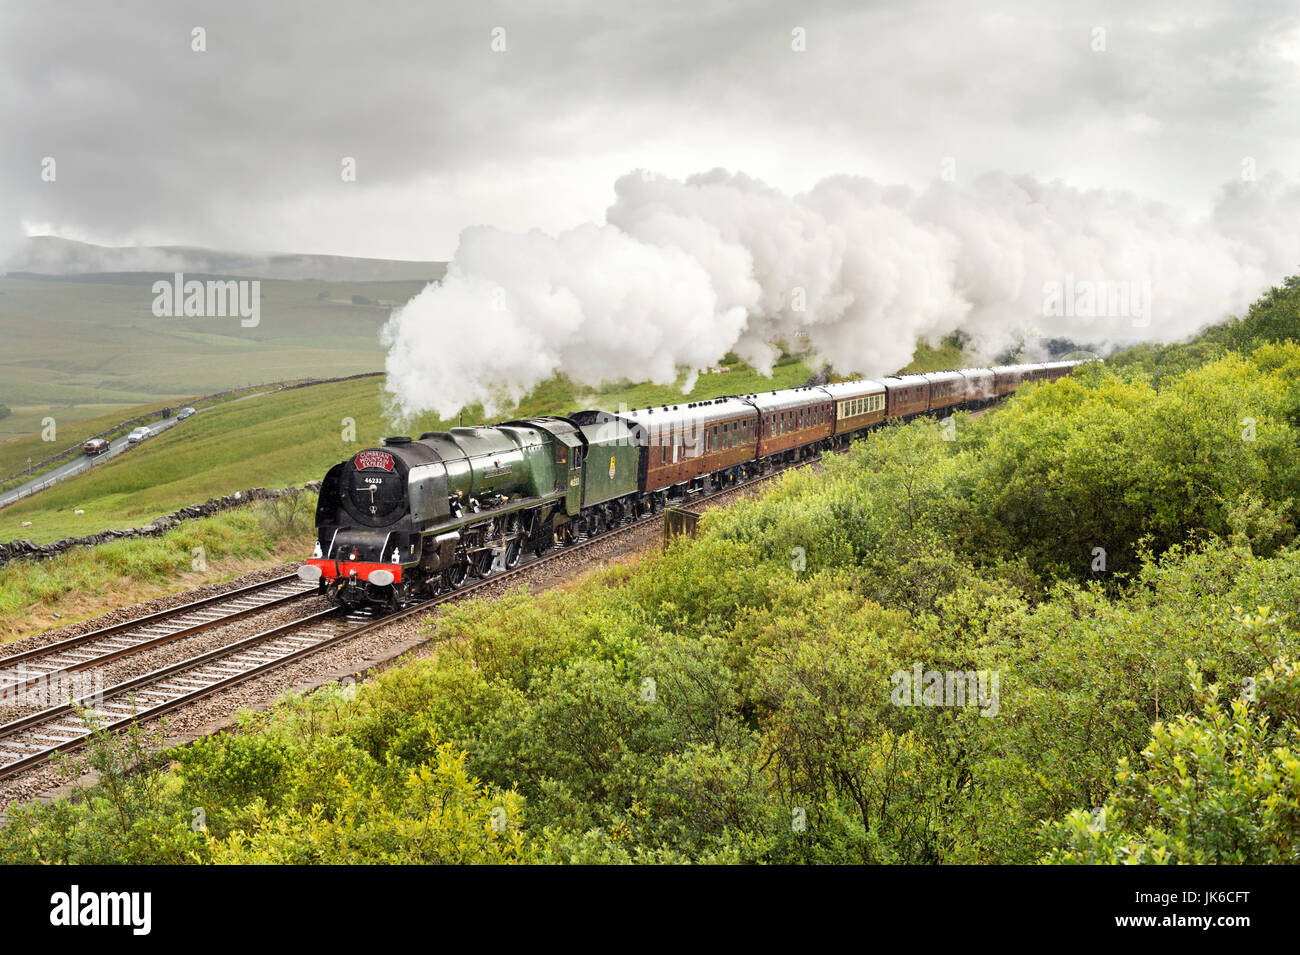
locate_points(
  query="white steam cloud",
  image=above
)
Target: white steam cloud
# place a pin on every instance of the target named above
(683, 272)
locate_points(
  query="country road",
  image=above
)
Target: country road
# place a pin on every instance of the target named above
(83, 462)
(78, 465)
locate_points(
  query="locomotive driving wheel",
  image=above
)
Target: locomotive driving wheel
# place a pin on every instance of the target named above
(514, 543)
(481, 563)
(456, 575)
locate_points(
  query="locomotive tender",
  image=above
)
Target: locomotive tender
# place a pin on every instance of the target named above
(403, 522)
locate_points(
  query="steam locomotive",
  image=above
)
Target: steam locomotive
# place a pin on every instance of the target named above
(413, 518)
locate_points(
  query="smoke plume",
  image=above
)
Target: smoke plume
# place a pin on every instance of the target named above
(683, 272)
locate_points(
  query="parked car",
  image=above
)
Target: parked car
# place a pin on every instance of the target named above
(95, 446)
(138, 435)
(184, 413)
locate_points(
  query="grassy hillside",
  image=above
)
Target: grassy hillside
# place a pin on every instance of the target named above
(70, 430)
(88, 581)
(15, 451)
(94, 340)
(949, 353)
(290, 437)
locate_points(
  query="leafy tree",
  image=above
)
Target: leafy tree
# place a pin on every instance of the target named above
(1221, 786)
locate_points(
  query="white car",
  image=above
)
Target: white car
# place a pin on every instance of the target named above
(138, 435)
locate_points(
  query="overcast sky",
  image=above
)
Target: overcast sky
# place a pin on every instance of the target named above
(241, 146)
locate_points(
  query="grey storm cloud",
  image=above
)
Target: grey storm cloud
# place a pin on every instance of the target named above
(240, 146)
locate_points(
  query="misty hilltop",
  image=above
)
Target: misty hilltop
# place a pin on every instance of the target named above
(52, 255)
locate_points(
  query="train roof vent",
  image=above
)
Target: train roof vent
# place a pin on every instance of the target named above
(398, 439)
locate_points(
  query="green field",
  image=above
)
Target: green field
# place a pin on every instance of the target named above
(77, 347)
(15, 451)
(289, 437)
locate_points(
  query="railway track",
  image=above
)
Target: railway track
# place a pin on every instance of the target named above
(32, 739)
(47, 664)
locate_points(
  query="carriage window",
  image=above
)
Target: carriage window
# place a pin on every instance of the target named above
(577, 459)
